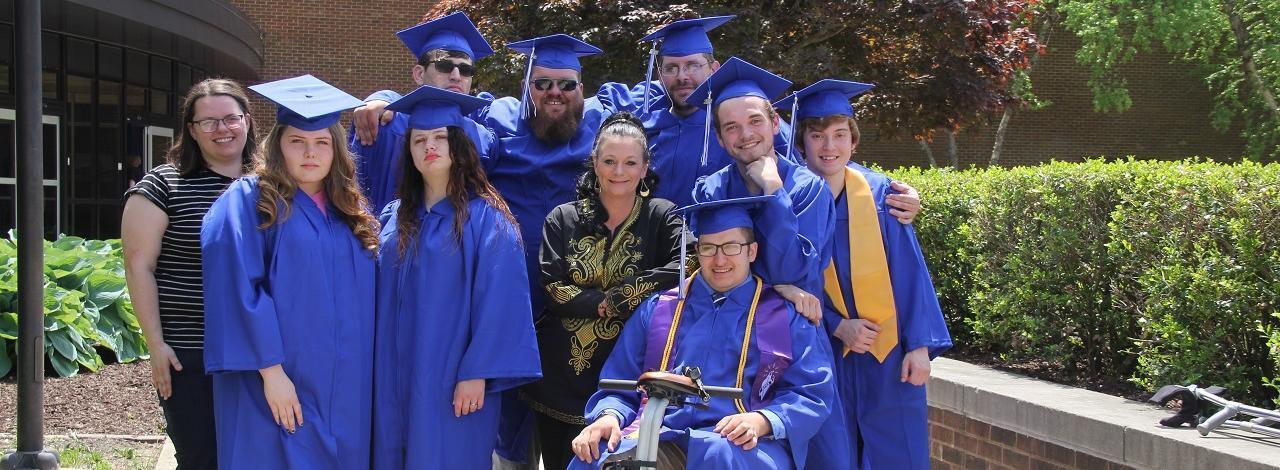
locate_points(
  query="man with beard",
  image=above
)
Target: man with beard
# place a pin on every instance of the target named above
(545, 140)
(676, 127)
(445, 48)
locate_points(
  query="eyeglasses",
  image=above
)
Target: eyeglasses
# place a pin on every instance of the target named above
(671, 70)
(446, 66)
(232, 122)
(544, 84)
(707, 250)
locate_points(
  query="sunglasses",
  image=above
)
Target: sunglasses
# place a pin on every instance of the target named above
(544, 84)
(446, 66)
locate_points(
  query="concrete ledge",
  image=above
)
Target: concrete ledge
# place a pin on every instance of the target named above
(1110, 428)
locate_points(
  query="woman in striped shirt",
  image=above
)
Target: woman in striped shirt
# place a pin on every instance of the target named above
(160, 231)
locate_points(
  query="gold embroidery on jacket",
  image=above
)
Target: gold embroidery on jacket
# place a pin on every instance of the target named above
(593, 264)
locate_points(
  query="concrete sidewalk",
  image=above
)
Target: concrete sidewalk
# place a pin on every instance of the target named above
(167, 460)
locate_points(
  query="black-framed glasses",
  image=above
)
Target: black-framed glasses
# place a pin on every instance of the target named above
(670, 70)
(233, 121)
(707, 250)
(446, 66)
(544, 84)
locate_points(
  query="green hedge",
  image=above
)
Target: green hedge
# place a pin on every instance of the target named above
(1150, 272)
(87, 308)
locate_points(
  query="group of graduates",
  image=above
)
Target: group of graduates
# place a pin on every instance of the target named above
(400, 294)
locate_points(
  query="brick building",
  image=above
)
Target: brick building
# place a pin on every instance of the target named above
(115, 70)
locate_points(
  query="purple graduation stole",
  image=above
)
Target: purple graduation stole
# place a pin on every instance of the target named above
(770, 327)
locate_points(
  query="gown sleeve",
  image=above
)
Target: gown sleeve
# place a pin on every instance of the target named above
(795, 230)
(383, 95)
(626, 362)
(242, 332)
(626, 296)
(564, 298)
(503, 348)
(920, 320)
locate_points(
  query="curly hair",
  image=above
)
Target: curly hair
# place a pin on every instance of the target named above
(621, 125)
(277, 187)
(466, 180)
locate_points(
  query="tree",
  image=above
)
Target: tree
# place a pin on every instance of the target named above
(938, 65)
(1235, 43)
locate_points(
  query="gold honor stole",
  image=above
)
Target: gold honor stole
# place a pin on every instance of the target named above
(868, 268)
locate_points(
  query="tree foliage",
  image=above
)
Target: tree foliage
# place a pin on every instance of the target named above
(937, 64)
(1235, 43)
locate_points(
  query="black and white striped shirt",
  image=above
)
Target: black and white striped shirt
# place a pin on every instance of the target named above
(178, 270)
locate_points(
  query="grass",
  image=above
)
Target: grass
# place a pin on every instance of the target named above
(96, 454)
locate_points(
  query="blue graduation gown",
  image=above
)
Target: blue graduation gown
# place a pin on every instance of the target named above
(299, 294)
(793, 229)
(378, 166)
(448, 314)
(534, 177)
(887, 417)
(711, 338)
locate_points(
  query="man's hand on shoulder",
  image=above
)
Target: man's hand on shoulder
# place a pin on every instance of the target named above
(368, 117)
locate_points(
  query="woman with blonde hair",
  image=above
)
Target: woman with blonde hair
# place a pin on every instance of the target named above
(289, 281)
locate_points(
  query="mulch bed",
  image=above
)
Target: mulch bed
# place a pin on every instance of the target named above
(118, 399)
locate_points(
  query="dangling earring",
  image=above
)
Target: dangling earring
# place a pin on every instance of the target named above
(644, 188)
(595, 184)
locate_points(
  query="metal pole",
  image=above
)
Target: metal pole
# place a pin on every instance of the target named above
(30, 172)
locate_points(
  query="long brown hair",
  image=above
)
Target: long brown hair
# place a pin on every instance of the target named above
(277, 187)
(466, 180)
(185, 155)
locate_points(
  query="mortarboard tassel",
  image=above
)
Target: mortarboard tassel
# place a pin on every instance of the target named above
(684, 244)
(795, 105)
(648, 76)
(526, 105)
(706, 129)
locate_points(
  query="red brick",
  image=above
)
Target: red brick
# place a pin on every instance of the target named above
(952, 455)
(966, 443)
(1059, 454)
(940, 434)
(1084, 460)
(1003, 436)
(1030, 446)
(972, 462)
(978, 429)
(1015, 459)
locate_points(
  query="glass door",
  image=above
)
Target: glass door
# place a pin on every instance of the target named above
(157, 141)
(51, 127)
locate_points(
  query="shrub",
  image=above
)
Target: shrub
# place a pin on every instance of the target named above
(87, 308)
(1152, 272)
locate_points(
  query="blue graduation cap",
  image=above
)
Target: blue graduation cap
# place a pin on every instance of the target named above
(681, 38)
(429, 107)
(714, 217)
(686, 37)
(454, 32)
(735, 79)
(557, 51)
(306, 102)
(827, 97)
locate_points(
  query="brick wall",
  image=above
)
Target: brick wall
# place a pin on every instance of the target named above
(1169, 119)
(351, 45)
(959, 442)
